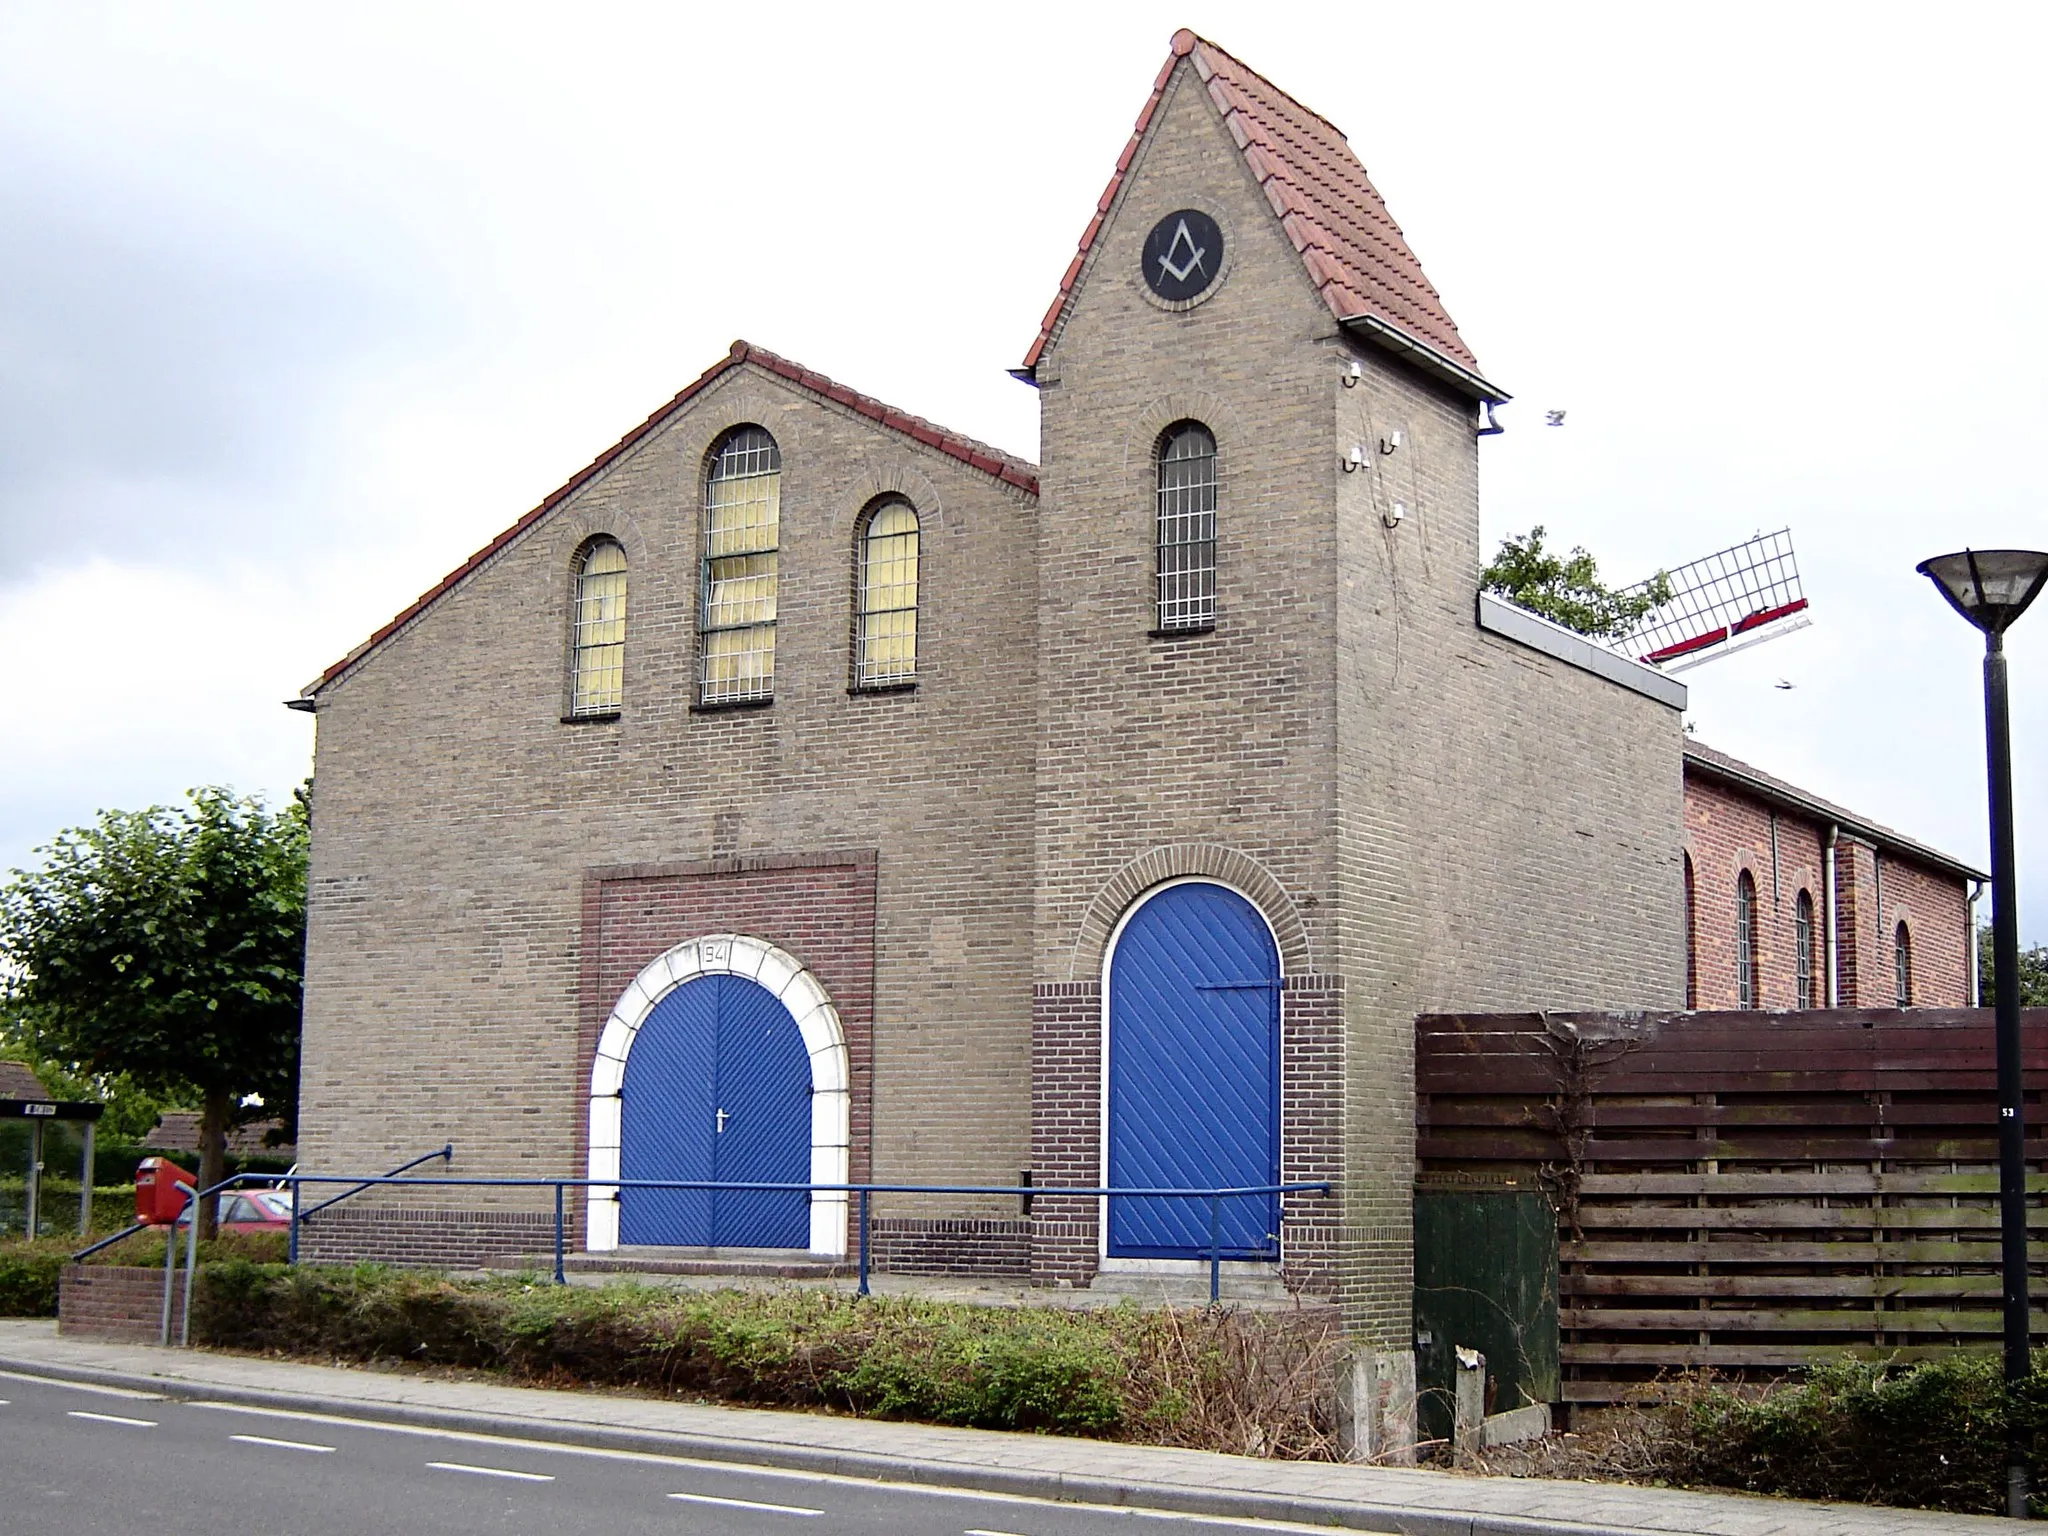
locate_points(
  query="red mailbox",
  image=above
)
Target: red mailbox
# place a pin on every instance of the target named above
(157, 1196)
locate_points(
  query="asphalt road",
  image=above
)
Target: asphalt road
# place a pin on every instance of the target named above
(76, 1459)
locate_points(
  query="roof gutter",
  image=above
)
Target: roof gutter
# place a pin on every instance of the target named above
(1390, 338)
(1876, 835)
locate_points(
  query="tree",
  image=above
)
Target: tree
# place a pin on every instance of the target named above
(1568, 589)
(2033, 973)
(167, 945)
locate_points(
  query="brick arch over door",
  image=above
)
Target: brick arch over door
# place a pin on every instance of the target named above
(791, 983)
(1178, 861)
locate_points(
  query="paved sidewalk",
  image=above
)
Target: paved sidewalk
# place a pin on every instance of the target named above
(1414, 1502)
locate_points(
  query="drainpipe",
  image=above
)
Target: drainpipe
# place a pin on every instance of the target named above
(1828, 900)
(1970, 942)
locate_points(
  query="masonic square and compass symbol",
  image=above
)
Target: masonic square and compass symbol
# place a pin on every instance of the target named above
(1183, 255)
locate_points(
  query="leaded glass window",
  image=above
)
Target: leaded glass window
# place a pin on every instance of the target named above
(742, 527)
(598, 671)
(1902, 965)
(1745, 941)
(1802, 948)
(886, 646)
(1187, 527)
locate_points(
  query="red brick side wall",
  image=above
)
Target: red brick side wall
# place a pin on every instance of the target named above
(1727, 832)
(1311, 1130)
(1066, 1121)
(1066, 1127)
(821, 909)
(111, 1301)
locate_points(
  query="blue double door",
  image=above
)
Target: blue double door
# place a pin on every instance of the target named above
(1194, 1075)
(717, 1088)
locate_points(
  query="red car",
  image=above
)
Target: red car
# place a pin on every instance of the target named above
(254, 1210)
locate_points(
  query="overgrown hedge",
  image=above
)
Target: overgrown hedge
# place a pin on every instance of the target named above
(1257, 1383)
(29, 1270)
(1931, 1435)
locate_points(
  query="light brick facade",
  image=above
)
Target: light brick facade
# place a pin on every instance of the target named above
(1430, 817)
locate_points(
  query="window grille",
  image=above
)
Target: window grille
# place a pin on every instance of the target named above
(1902, 965)
(1692, 974)
(598, 672)
(886, 647)
(1802, 948)
(1745, 942)
(742, 529)
(1187, 527)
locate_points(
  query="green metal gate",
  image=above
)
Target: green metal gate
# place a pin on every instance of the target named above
(1485, 1279)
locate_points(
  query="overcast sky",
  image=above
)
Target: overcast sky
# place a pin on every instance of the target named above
(298, 307)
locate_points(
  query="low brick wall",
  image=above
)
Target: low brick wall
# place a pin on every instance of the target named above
(435, 1239)
(992, 1248)
(109, 1301)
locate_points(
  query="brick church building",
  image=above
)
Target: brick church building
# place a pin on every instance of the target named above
(807, 792)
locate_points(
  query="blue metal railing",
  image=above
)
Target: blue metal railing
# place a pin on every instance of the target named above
(446, 1153)
(863, 1193)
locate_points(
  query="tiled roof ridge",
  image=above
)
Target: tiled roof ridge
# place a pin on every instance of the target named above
(1020, 473)
(1367, 269)
(1714, 759)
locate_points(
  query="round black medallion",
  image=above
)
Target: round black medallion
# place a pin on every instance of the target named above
(1183, 255)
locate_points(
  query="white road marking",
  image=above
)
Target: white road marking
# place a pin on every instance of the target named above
(773, 1509)
(282, 1445)
(747, 1469)
(975, 1531)
(524, 1477)
(112, 1418)
(82, 1386)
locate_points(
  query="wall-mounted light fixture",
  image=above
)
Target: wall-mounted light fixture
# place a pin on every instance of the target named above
(1356, 459)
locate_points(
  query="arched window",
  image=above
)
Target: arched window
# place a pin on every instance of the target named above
(1692, 947)
(1802, 948)
(1745, 941)
(1902, 965)
(597, 672)
(742, 527)
(1187, 527)
(885, 649)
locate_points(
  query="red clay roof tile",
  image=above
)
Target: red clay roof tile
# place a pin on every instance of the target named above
(990, 461)
(1352, 248)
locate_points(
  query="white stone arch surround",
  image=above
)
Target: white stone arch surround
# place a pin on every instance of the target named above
(793, 985)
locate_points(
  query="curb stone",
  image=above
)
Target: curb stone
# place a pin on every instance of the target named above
(1058, 1487)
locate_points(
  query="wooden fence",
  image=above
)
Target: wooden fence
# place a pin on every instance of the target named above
(1746, 1191)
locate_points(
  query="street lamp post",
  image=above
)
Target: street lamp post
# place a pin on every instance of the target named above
(1991, 588)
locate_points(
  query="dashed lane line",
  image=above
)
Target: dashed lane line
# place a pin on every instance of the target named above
(111, 1418)
(463, 1466)
(772, 1509)
(749, 1469)
(283, 1445)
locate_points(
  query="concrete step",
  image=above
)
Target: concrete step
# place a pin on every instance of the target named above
(1239, 1282)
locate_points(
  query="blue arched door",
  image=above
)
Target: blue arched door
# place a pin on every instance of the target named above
(717, 1087)
(1194, 1074)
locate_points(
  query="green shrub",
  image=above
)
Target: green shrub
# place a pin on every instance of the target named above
(1219, 1379)
(28, 1277)
(1930, 1435)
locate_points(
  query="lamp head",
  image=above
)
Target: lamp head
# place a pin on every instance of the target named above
(1989, 587)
